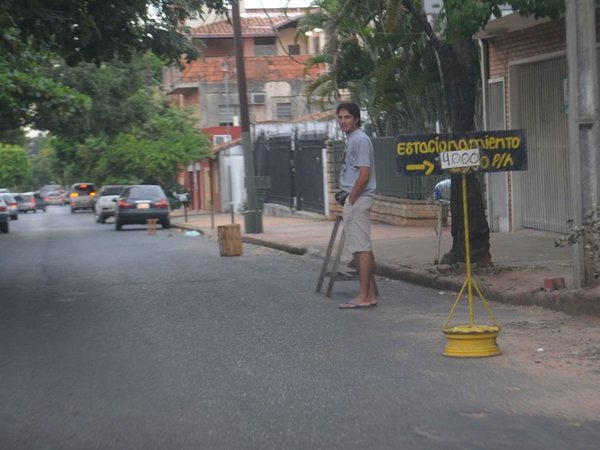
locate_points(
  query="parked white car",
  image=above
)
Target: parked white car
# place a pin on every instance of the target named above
(106, 204)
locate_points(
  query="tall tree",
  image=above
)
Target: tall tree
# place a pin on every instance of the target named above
(375, 52)
(155, 151)
(459, 69)
(102, 30)
(37, 34)
(390, 50)
(15, 166)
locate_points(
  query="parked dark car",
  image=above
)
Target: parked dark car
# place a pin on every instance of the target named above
(25, 202)
(138, 203)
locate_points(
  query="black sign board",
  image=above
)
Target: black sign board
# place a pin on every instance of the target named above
(500, 151)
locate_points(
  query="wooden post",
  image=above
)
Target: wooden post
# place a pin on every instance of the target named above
(152, 226)
(230, 240)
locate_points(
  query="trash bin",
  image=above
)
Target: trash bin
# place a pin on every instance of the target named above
(230, 240)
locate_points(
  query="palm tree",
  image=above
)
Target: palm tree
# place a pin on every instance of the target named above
(375, 54)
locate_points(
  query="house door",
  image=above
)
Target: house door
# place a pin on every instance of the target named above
(542, 192)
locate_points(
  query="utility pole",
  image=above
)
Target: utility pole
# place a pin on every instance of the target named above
(252, 216)
(584, 160)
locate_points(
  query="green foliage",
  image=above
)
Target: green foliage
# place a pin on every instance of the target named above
(463, 18)
(25, 88)
(37, 36)
(15, 166)
(378, 53)
(116, 100)
(408, 74)
(589, 232)
(155, 151)
(103, 30)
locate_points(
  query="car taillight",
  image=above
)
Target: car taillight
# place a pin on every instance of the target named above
(161, 204)
(2, 208)
(74, 194)
(92, 194)
(124, 204)
(13, 204)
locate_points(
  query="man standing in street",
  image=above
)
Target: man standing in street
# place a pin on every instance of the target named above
(357, 183)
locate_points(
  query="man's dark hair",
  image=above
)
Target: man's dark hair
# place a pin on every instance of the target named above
(352, 108)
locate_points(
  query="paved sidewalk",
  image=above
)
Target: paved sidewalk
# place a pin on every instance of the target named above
(522, 260)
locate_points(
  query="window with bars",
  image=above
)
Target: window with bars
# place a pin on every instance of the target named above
(284, 110)
(265, 46)
(226, 114)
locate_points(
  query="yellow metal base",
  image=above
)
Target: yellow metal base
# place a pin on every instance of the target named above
(477, 341)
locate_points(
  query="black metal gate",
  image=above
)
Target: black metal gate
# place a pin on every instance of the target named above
(309, 173)
(295, 167)
(278, 167)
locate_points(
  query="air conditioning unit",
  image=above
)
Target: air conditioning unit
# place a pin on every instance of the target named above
(219, 139)
(258, 98)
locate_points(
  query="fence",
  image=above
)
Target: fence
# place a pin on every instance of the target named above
(389, 182)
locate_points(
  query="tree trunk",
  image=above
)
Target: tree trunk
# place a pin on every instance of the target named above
(460, 74)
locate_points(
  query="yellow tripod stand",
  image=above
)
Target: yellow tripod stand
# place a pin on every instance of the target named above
(471, 340)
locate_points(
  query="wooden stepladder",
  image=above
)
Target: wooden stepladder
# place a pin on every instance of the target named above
(335, 274)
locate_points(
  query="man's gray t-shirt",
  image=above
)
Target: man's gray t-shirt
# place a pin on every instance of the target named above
(358, 153)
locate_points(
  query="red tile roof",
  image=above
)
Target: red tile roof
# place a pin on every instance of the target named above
(219, 148)
(259, 68)
(318, 116)
(251, 26)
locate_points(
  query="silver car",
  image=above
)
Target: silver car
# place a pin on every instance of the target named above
(106, 205)
(82, 196)
(11, 205)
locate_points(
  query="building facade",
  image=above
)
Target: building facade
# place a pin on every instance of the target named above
(525, 84)
(274, 57)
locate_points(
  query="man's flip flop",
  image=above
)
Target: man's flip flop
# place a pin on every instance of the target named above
(352, 305)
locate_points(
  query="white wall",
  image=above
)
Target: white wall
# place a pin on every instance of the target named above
(231, 176)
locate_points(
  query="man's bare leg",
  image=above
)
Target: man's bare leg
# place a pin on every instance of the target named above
(366, 276)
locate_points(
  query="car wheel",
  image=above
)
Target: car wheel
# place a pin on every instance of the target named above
(165, 223)
(97, 217)
(72, 210)
(15, 217)
(102, 218)
(35, 211)
(4, 227)
(118, 225)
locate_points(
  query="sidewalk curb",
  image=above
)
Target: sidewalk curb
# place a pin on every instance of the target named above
(570, 301)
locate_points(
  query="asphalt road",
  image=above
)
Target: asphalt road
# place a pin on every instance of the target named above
(126, 340)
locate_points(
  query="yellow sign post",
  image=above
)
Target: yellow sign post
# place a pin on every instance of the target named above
(471, 340)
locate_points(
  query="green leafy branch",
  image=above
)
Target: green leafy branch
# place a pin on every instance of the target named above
(590, 230)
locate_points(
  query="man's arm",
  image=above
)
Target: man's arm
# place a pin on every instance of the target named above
(364, 173)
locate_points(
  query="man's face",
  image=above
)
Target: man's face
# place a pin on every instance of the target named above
(348, 123)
